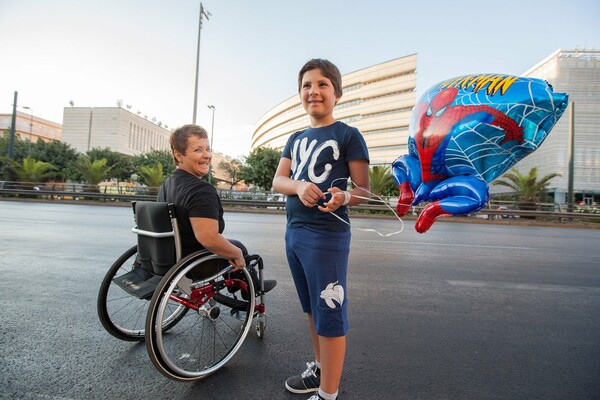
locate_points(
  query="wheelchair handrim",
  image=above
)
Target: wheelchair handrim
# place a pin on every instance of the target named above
(176, 371)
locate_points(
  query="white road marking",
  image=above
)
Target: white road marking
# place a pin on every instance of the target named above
(524, 286)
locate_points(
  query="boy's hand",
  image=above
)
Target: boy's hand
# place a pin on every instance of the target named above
(309, 193)
(338, 198)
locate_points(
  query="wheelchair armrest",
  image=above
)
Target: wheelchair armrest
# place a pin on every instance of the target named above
(252, 260)
(152, 234)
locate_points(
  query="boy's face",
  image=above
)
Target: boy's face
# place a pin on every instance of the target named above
(318, 96)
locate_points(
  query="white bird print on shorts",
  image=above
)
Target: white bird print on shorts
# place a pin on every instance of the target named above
(333, 292)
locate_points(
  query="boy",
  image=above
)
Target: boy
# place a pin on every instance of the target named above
(313, 172)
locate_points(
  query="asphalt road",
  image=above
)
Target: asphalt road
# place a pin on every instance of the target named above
(465, 311)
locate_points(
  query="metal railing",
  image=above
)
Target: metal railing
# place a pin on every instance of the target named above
(257, 199)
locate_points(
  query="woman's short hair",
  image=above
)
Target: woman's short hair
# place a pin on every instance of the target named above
(179, 138)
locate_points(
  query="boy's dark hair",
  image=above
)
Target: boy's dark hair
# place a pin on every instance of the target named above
(328, 69)
(179, 138)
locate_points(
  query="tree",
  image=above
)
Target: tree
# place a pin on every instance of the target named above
(382, 181)
(93, 172)
(20, 148)
(59, 154)
(151, 159)
(233, 169)
(260, 166)
(30, 170)
(527, 187)
(121, 165)
(153, 176)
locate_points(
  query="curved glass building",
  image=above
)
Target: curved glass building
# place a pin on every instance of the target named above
(378, 100)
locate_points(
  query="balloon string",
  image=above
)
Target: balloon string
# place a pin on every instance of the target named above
(378, 199)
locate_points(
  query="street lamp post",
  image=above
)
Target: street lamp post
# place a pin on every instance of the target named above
(212, 131)
(13, 121)
(205, 14)
(30, 128)
(571, 157)
(212, 128)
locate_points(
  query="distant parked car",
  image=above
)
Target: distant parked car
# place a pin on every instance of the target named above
(503, 208)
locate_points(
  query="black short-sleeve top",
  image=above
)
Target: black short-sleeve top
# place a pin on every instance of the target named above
(192, 197)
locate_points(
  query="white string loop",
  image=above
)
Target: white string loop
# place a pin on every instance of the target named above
(370, 198)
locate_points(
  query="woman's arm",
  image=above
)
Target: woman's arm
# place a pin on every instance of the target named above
(206, 231)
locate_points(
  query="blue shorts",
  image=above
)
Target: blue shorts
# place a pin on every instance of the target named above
(319, 264)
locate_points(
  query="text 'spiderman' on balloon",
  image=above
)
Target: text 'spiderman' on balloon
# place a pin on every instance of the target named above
(464, 133)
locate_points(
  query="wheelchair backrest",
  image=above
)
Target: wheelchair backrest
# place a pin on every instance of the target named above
(159, 246)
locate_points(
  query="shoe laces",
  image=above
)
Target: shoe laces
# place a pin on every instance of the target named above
(311, 367)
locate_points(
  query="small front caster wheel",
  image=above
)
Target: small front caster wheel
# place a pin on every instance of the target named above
(261, 324)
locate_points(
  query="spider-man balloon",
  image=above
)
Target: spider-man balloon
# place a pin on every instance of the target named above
(464, 133)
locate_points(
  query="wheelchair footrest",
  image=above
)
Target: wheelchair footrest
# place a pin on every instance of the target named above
(138, 282)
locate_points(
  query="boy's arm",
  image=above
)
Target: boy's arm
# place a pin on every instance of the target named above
(307, 192)
(359, 173)
(282, 181)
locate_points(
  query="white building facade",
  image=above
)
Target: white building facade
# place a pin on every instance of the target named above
(85, 128)
(31, 128)
(576, 73)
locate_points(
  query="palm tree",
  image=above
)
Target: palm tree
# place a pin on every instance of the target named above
(31, 170)
(93, 172)
(527, 187)
(153, 176)
(381, 180)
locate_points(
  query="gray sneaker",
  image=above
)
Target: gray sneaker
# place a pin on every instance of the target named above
(307, 382)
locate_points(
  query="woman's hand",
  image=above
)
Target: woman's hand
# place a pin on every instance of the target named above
(238, 262)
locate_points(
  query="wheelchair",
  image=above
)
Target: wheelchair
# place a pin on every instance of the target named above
(193, 313)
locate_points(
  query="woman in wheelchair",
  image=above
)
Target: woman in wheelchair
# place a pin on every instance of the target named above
(184, 289)
(197, 203)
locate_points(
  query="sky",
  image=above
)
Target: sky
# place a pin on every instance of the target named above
(143, 52)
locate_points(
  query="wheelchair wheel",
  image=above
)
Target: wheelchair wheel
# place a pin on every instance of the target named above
(122, 314)
(222, 307)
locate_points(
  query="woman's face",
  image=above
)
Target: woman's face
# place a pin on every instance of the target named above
(196, 159)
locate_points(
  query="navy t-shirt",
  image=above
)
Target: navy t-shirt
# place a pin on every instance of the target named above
(320, 156)
(192, 197)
